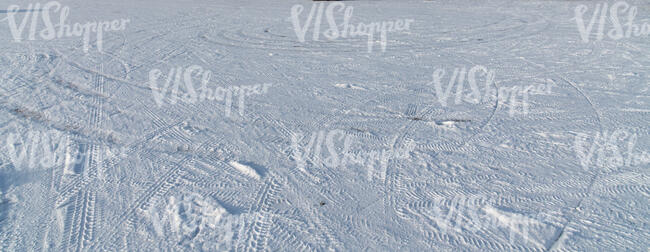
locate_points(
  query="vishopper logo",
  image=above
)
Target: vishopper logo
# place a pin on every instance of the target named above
(340, 148)
(472, 214)
(60, 29)
(603, 13)
(518, 95)
(345, 30)
(47, 149)
(36, 148)
(613, 150)
(195, 221)
(181, 82)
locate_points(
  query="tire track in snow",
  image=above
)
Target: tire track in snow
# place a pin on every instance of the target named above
(161, 186)
(83, 222)
(555, 242)
(257, 239)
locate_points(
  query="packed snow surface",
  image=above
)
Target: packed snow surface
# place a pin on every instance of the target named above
(294, 125)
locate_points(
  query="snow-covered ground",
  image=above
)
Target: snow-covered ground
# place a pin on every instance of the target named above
(457, 125)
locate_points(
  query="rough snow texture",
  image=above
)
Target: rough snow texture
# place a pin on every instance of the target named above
(106, 168)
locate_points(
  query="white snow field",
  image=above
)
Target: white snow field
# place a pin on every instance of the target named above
(405, 125)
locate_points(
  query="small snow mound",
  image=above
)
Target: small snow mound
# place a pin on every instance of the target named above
(448, 124)
(245, 169)
(346, 85)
